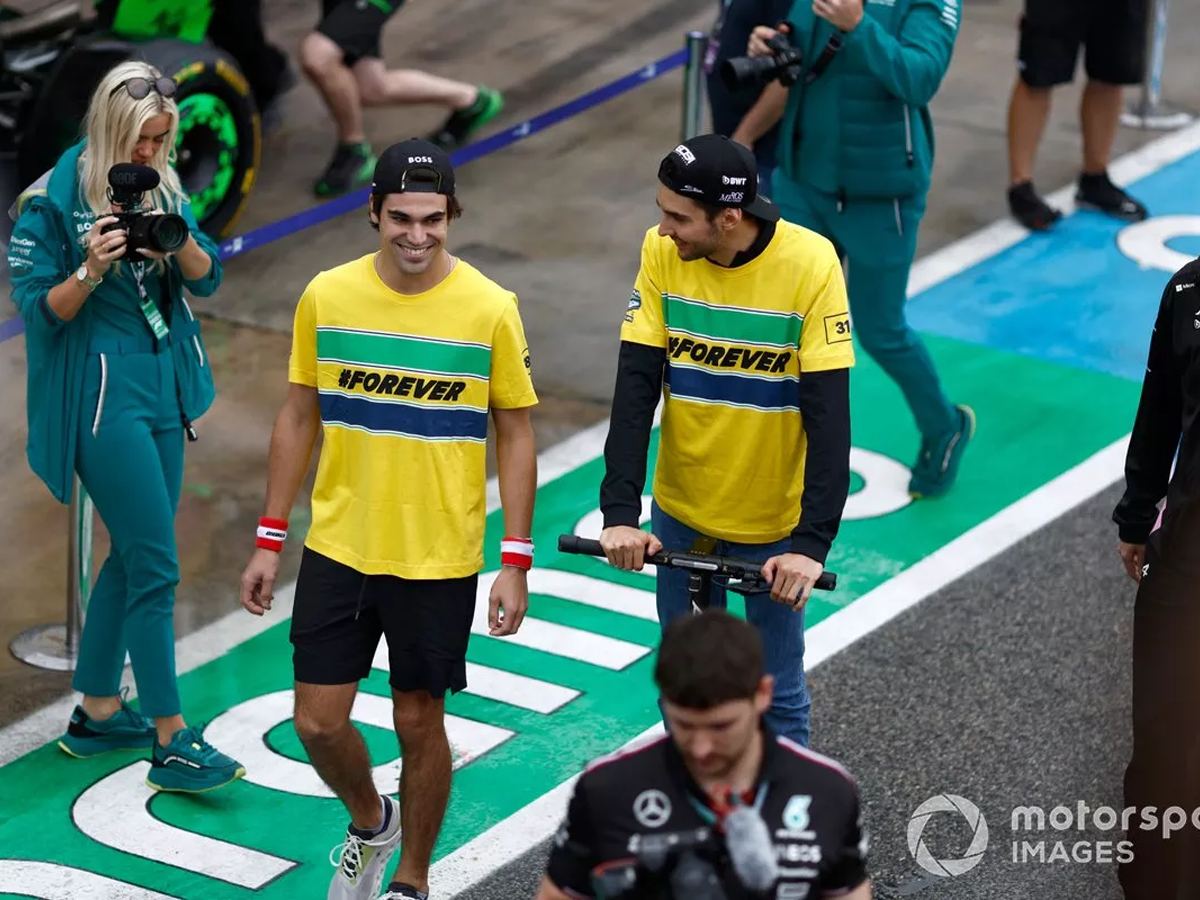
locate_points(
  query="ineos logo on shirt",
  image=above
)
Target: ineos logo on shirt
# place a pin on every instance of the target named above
(652, 808)
(732, 197)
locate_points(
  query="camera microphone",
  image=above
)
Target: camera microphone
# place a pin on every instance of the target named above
(129, 181)
(166, 233)
(751, 851)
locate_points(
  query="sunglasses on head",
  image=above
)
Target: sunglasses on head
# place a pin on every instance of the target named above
(139, 88)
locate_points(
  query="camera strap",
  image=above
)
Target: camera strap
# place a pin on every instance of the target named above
(153, 317)
(832, 46)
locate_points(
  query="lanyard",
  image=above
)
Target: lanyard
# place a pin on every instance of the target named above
(711, 817)
(159, 327)
(149, 310)
(714, 37)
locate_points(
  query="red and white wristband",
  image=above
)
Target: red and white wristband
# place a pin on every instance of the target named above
(271, 534)
(516, 552)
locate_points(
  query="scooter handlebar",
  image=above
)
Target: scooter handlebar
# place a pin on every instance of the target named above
(681, 559)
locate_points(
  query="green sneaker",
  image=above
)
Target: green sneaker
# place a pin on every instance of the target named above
(937, 465)
(352, 166)
(126, 729)
(191, 765)
(462, 123)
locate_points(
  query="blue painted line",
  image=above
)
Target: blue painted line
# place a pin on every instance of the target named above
(11, 328)
(1070, 296)
(240, 244)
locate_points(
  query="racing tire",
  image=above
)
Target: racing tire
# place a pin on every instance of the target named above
(219, 142)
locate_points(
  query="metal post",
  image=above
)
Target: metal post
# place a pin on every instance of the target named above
(693, 84)
(57, 646)
(1150, 112)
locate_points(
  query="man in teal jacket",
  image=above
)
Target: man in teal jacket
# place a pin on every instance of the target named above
(111, 391)
(855, 153)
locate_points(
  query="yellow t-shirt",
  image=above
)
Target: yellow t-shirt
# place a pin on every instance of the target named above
(405, 385)
(732, 445)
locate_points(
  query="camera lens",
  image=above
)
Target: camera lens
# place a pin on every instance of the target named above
(167, 233)
(746, 70)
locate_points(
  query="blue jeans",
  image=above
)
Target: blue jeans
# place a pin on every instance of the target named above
(781, 628)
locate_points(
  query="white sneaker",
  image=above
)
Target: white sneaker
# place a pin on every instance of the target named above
(361, 863)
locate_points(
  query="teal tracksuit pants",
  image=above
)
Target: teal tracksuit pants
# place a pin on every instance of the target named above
(130, 460)
(878, 241)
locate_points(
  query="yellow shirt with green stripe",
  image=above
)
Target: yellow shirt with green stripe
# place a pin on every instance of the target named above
(406, 383)
(732, 444)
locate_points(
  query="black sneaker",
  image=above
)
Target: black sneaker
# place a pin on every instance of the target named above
(463, 122)
(1030, 209)
(1099, 193)
(397, 890)
(352, 166)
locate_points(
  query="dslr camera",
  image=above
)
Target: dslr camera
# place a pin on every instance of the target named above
(669, 866)
(784, 63)
(166, 233)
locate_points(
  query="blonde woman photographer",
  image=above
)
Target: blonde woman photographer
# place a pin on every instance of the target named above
(101, 252)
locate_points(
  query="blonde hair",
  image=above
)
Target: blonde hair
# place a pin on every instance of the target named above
(112, 126)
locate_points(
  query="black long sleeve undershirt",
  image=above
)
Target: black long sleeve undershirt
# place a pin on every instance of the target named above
(825, 407)
(825, 413)
(1167, 421)
(635, 397)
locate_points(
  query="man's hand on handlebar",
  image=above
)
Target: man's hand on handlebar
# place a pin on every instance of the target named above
(791, 577)
(627, 547)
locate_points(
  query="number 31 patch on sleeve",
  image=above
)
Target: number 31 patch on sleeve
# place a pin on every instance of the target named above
(837, 328)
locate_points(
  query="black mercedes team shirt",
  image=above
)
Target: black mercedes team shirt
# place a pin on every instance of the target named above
(810, 805)
(1167, 423)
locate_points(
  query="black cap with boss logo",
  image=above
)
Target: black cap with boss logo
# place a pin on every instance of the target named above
(415, 165)
(714, 169)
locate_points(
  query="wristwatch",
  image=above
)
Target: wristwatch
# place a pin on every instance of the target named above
(88, 280)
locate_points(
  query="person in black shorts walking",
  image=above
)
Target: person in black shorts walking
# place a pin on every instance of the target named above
(778, 819)
(1112, 34)
(399, 358)
(343, 60)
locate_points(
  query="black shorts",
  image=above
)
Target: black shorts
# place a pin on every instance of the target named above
(355, 25)
(339, 614)
(1113, 33)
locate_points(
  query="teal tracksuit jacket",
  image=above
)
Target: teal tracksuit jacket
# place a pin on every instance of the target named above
(107, 400)
(855, 154)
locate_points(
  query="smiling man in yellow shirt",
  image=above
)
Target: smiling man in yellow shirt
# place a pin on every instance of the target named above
(739, 320)
(398, 357)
